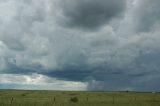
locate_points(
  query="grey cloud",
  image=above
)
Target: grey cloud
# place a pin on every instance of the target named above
(33, 42)
(141, 16)
(90, 14)
(21, 17)
(147, 15)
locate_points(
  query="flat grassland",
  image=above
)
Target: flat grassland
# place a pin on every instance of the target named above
(70, 98)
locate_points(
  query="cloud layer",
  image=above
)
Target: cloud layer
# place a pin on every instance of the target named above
(38, 82)
(104, 45)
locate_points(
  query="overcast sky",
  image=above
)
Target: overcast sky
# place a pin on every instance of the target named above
(80, 44)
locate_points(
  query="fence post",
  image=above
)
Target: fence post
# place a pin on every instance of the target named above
(12, 101)
(54, 99)
(113, 99)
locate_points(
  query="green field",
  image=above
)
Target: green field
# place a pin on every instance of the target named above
(62, 98)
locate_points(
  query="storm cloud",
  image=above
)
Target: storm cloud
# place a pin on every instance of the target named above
(90, 14)
(93, 45)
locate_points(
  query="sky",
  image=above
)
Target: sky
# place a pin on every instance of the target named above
(86, 45)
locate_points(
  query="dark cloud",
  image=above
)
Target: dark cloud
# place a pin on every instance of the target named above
(114, 57)
(126, 83)
(90, 14)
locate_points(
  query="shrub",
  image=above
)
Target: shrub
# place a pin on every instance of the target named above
(23, 94)
(74, 99)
